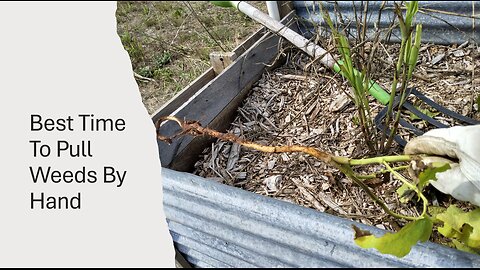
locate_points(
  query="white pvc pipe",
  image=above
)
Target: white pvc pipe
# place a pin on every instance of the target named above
(296, 39)
(273, 11)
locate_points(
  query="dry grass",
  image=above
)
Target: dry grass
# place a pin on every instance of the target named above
(167, 43)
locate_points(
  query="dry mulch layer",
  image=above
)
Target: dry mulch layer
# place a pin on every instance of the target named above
(303, 103)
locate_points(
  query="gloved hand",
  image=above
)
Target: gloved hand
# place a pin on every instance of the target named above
(462, 181)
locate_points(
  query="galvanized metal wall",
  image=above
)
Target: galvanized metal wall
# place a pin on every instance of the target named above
(215, 225)
(439, 27)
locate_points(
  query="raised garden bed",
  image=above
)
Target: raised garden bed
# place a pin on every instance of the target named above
(216, 225)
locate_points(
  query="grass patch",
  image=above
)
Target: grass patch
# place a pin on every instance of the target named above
(166, 42)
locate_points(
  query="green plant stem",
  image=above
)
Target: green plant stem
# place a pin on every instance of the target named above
(374, 160)
(343, 164)
(402, 100)
(411, 186)
(406, 62)
(393, 91)
(347, 170)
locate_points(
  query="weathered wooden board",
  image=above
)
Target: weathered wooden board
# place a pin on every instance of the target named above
(183, 96)
(221, 60)
(214, 105)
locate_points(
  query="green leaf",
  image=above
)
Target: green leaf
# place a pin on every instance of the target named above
(462, 226)
(358, 85)
(344, 49)
(462, 247)
(405, 193)
(399, 243)
(402, 192)
(434, 211)
(412, 9)
(450, 222)
(429, 174)
(163, 59)
(401, 22)
(408, 49)
(415, 49)
(336, 67)
(328, 20)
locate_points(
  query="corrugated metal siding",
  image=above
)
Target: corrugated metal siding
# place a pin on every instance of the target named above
(439, 28)
(215, 225)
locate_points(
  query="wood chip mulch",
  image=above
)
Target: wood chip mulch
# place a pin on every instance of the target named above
(305, 104)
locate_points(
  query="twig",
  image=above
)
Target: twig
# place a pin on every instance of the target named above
(178, 31)
(141, 78)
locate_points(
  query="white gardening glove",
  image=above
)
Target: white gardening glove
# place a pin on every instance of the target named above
(462, 181)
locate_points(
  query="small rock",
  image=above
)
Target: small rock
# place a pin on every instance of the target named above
(435, 201)
(325, 186)
(287, 119)
(458, 53)
(272, 182)
(316, 131)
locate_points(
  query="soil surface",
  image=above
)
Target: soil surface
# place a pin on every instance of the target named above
(302, 103)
